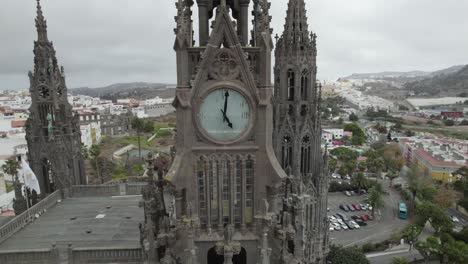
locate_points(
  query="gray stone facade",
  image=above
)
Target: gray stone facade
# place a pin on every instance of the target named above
(229, 200)
(297, 124)
(116, 125)
(52, 130)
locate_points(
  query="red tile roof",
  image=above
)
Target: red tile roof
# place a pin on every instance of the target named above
(433, 161)
(18, 124)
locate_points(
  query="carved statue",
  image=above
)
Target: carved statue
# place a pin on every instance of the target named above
(50, 126)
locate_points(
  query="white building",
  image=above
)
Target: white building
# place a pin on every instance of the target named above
(336, 132)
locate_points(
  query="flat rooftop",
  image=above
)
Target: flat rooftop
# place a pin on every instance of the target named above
(83, 222)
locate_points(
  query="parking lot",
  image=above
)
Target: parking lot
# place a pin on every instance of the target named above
(385, 223)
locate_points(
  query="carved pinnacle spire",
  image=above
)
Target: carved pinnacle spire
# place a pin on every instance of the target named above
(41, 24)
(296, 29)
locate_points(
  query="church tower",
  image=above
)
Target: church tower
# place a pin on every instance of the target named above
(52, 130)
(297, 124)
(225, 168)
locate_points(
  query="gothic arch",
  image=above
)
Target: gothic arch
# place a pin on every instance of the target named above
(305, 79)
(291, 84)
(306, 154)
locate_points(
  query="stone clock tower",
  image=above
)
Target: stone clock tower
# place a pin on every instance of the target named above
(52, 130)
(225, 163)
(226, 198)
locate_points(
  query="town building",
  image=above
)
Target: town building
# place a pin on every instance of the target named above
(437, 157)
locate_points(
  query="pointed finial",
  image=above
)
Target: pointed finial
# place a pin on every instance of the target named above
(223, 3)
(41, 24)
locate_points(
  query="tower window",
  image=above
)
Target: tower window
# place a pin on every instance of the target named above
(286, 152)
(291, 82)
(304, 85)
(305, 155)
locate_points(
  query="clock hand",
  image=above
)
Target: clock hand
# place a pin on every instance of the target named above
(227, 119)
(226, 97)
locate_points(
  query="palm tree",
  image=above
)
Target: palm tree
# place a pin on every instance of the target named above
(375, 199)
(360, 181)
(94, 152)
(11, 167)
(379, 164)
(139, 126)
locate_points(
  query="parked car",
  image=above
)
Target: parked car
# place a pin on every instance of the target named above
(347, 193)
(354, 224)
(363, 207)
(349, 225)
(364, 217)
(360, 222)
(352, 193)
(362, 191)
(337, 228)
(350, 208)
(354, 217)
(345, 227)
(455, 219)
(332, 217)
(344, 208)
(356, 207)
(370, 217)
(332, 228)
(342, 216)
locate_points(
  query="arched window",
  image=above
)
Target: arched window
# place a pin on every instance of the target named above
(201, 180)
(305, 155)
(286, 152)
(291, 83)
(304, 85)
(213, 179)
(249, 189)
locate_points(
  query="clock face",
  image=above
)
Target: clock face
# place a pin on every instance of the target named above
(224, 114)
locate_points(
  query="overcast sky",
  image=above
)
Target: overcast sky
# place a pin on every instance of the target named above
(100, 42)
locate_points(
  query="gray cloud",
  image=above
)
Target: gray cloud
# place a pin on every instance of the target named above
(100, 42)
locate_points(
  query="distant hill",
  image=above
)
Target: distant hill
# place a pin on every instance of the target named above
(402, 77)
(446, 82)
(136, 90)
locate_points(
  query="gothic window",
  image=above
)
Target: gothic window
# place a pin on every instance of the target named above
(249, 189)
(291, 83)
(213, 179)
(304, 85)
(305, 155)
(201, 191)
(226, 175)
(286, 152)
(238, 188)
(225, 190)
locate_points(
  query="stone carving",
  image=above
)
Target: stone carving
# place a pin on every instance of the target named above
(224, 66)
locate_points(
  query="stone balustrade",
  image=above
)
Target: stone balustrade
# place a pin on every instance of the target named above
(29, 215)
(107, 190)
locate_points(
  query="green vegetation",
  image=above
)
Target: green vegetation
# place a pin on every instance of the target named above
(353, 117)
(94, 153)
(400, 260)
(11, 167)
(375, 199)
(461, 186)
(9, 186)
(359, 136)
(351, 255)
(449, 122)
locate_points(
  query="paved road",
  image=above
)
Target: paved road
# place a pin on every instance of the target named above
(376, 230)
(387, 257)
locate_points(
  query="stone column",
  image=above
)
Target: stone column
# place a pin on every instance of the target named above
(242, 23)
(203, 19)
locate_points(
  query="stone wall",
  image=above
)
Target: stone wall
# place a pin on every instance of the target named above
(107, 190)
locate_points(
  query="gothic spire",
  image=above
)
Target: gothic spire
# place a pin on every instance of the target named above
(41, 24)
(296, 32)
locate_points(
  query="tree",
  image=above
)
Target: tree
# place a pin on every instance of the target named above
(139, 126)
(351, 255)
(353, 117)
(449, 122)
(84, 151)
(375, 199)
(464, 122)
(428, 248)
(360, 181)
(362, 166)
(411, 233)
(342, 171)
(148, 126)
(332, 163)
(358, 134)
(462, 172)
(445, 198)
(399, 260)
(391, 176)
(11, 167)
(427, 211)
(94, 152)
